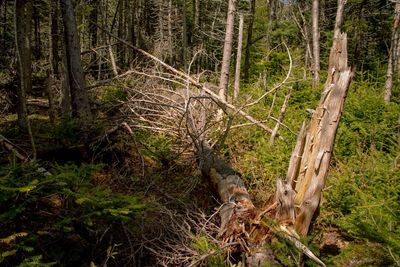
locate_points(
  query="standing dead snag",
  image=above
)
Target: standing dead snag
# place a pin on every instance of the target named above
(308, 169)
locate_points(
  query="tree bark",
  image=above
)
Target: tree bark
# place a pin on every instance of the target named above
(54, 40)
(238, 58)
(93, 18)
(393, 54)
(196, 14)
(184, 35)
(36, 18)
(226, 59)
(79, 97)
(316, 43)
(54, 60)
(23, 10)
(249, 41)
(22, 23)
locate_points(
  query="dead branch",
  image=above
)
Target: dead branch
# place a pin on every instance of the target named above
(194, 82)
(277, 86)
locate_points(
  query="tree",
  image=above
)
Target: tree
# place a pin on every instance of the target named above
(307, 173)
(22, 19)
(238, 58)
(79, 98)
(246, 69)
(316, 45)
(393, 54)
(227, 52)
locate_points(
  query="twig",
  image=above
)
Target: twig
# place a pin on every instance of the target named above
(277, 86)
(193, 81)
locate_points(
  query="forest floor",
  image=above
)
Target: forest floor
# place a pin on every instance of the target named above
(122, 196)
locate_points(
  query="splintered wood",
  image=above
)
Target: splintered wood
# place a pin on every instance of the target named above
(310, 161)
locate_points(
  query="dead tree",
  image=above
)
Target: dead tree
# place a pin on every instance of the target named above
(316, 45)
(393, 54)
(241, 223)
(224, 78)
(309, 167)
(238, 58)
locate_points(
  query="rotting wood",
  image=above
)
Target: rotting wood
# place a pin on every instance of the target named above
(237, 205)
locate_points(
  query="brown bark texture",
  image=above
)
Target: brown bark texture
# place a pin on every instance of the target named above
(79, 97)
(23, 15)
(226, 59)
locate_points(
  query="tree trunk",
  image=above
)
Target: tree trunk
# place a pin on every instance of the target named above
(36, 18)
(393, 54)
(54, 41)
(226, 59)
(339, 19)
(196, 14)
(320, 138)
(249, 41)
(79, 98)
(184, 35)
(93, 18)
(23, 10)
(281, 116)
(238, 58)
(22, 23)
(316, 44)
(54, 59)
(120, 55)
(65, 97)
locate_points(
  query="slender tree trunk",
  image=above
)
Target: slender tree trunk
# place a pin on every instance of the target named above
(65, 98)
(170, 37)
(196, 14)
(23, 54)
(238, 58)
(184, 35)
(54, 40)
(36, 20)
(22, 23)
(393, 54)
(249, 41)
(226, 60)
(316, 43)
(54, 60)
(281, 116)
(79, 98)
(93, 20)
(120, 32)
(271, 6)
(5, 24)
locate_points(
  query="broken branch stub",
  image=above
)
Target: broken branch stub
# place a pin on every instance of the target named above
(309, 167)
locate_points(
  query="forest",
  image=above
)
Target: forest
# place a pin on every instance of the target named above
(199, 133)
